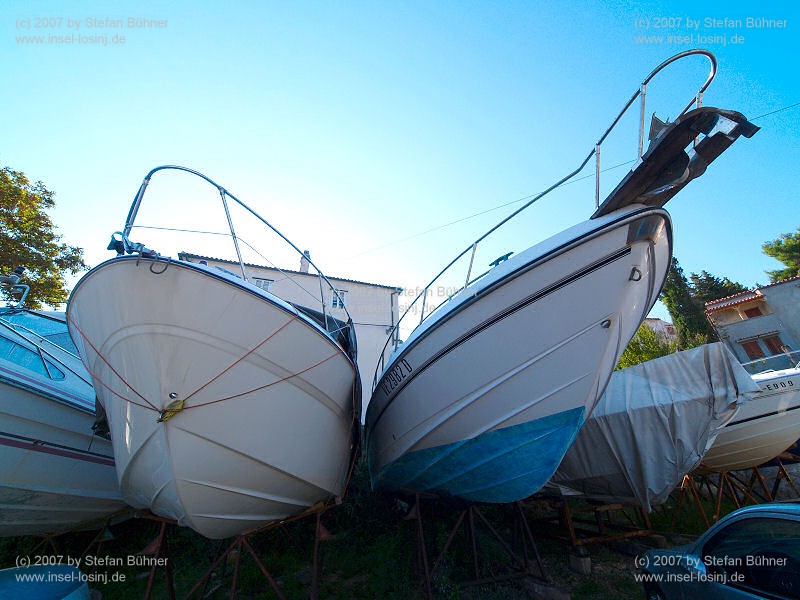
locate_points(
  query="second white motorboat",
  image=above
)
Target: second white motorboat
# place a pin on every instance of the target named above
(229, 408)
(490, 389)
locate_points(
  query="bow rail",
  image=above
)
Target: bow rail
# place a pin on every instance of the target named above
(393, 339)
(121, 243)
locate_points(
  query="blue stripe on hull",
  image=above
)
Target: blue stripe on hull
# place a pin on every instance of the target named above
(504, 465)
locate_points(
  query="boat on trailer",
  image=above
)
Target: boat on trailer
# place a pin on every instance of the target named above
(56, 474)
(489, 390)
(229, 408)
(764, 427)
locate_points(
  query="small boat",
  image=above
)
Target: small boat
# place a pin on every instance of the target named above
(764, 428)
(56, 475)
(488, 392)
(653, 425)
(229, 408)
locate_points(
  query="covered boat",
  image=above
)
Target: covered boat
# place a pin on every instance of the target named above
(56, 475)
(229, 408)
(653, 425)
(490, 389)
(764, 428)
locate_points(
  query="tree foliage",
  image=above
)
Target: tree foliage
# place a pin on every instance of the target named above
(705, 287)
(646, 345)
(785, 249)
(687, 312)
(29, 238)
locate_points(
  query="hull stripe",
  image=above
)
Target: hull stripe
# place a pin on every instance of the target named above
(500, 316)
(18, 441)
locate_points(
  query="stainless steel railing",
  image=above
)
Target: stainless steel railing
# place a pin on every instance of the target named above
(393, 341)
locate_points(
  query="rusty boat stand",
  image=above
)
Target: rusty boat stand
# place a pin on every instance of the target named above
(522, 555)
(747, 486)
(230, 551)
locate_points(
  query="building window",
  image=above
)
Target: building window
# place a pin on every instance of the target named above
(753, 350)
(262, 283)
(338, 298)
(753, 312)
(774, 344)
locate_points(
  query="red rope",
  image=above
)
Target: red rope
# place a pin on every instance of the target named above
(262, 387)
(150, 405)
(241, 358)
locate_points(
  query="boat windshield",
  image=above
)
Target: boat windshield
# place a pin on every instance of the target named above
(50, 328)
(26, 358)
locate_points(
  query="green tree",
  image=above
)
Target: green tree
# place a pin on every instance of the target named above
(646, 345)
(705, 287)
(687, 312)
(28, 237)
(786, 249)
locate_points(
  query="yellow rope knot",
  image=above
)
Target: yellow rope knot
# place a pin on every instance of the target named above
(172, 409)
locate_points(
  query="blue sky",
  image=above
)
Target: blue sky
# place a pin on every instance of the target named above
(361, 129)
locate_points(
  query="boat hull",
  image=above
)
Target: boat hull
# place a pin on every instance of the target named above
(764, 427)
(55, 475)
(266, 428)
(485, 401)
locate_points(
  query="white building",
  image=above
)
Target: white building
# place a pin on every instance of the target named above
(761, 326)
(373, 307)
(664, 329)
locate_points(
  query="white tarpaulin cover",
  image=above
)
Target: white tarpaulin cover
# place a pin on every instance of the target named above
(653, 425)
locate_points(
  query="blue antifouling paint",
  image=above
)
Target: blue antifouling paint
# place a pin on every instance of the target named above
(504, 465)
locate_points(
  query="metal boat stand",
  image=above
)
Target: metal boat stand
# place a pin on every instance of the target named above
(44, 540)
(232, 552)
(783, 475)
(726, 484)
(688, 487)
(158, 549)
(521, 552)
(102, 536)
(600, 527)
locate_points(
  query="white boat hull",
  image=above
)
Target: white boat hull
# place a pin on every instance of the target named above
(266, 431)
(486, 396)
(763, 428)
(55, 475)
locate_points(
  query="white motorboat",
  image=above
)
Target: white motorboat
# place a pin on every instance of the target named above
(764, 427)
(490, 389)
(229, 408)
(56, 475)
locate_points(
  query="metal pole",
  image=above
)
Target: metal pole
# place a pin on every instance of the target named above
(471, 259)
(135, 206)
(597, 176)
(641, 118)
(222, 194)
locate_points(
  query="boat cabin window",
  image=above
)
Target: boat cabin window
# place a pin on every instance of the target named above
(63, 340)
(28, 359)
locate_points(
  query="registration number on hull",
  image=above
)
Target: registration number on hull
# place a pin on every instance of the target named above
(779, 385)
(396, 376)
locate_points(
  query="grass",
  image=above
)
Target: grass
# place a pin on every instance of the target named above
(372, 555)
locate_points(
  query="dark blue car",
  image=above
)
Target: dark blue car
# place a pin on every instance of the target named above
(753, 552)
